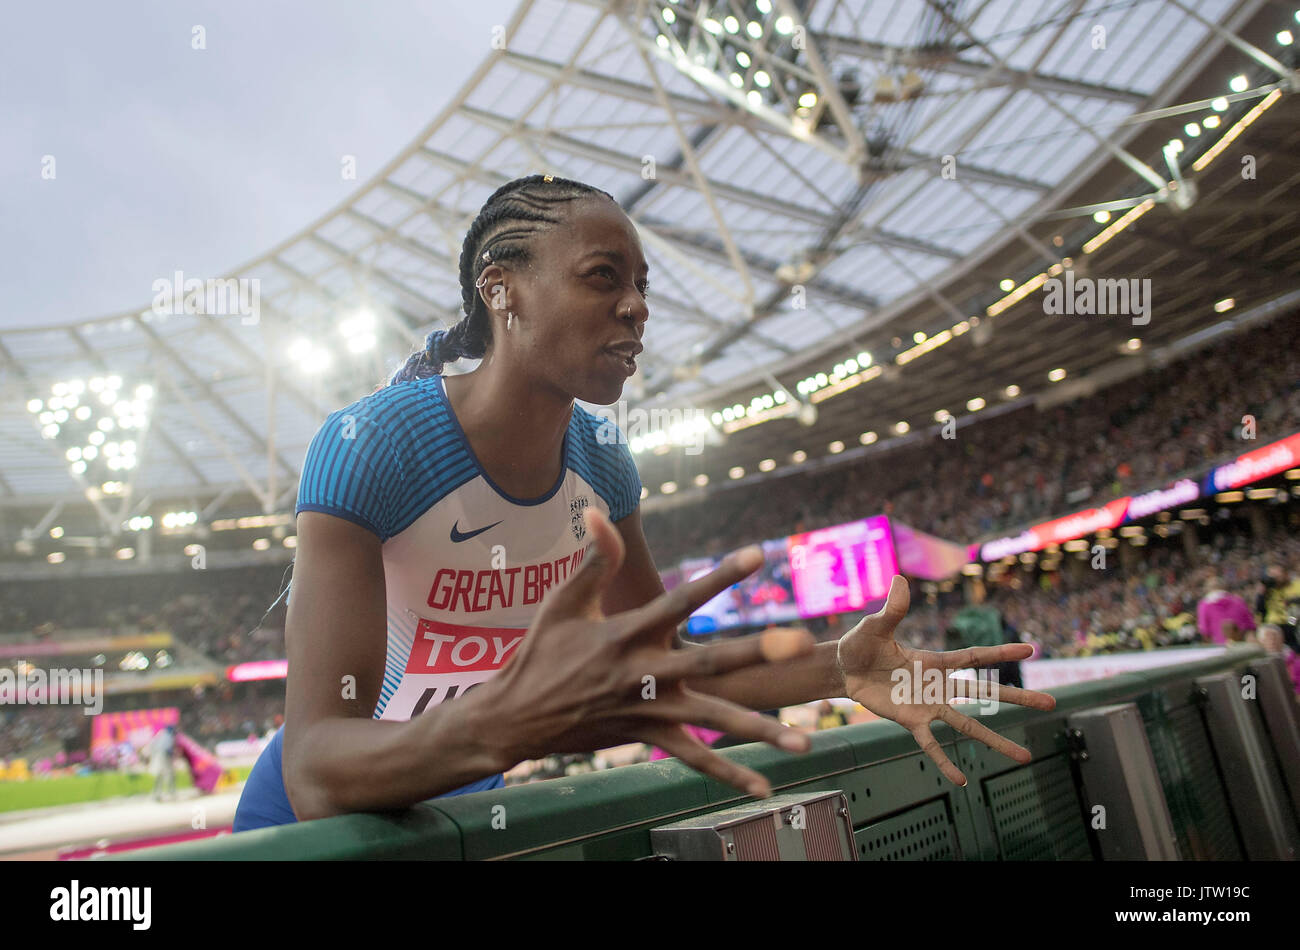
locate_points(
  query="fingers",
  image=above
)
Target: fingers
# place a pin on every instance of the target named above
(984, 734)
(579, 595)
(987, 690)
(930, 746)
(670, 609)
(722, 716)
(698, 661)
(977, 656)
(677, 741)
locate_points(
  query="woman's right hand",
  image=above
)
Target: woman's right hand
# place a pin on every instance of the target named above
(581, 681)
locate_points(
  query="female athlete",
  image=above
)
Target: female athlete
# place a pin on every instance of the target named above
(472, 587)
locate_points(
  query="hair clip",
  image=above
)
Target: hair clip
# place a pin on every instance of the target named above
(547, 178)
(486, 256)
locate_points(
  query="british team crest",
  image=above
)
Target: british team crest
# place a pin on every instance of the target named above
(575, 516)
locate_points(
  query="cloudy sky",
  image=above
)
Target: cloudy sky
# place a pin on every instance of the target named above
(168, 157)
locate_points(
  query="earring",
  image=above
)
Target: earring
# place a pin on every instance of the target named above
(509, 317)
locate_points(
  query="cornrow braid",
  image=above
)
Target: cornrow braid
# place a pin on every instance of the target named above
(502, 233)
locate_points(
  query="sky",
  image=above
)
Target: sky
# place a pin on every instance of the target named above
(169, 157)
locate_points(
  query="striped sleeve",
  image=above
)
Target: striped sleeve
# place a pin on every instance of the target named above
(614, 472)
(627, 493)
(352, 471)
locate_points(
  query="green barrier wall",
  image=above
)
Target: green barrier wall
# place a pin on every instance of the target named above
(902, 808)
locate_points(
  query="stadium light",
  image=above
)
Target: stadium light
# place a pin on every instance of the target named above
(1285, 38)
(1239, 83)
(798, 456)
(1012, 391)
(1056, 375)
(56, 557)
(56, 532)
(1211, 122)
(1224, 305)
(1101, 217)
(836, 447)
(901, 428)
(1192, 130)
(867, 438)
(668, 488)
(1219, 104)
(701, 480)
(735, 472)
(767, 465)
(179, 519)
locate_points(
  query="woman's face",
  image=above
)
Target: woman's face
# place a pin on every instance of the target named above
(580, 304)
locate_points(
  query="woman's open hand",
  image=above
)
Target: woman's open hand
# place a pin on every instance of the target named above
(912, 687)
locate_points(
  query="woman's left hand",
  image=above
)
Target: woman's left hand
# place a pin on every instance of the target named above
(882, 675)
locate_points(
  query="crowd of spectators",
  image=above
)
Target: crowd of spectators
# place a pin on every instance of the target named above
(1152, 604)
(225, 614)
(1003, 472)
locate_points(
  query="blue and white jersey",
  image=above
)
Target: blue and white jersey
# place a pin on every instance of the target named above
(466, 565)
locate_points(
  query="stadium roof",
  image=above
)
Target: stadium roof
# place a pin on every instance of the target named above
(811, 181)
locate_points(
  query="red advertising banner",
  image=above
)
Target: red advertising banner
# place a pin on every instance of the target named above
(1261, 463)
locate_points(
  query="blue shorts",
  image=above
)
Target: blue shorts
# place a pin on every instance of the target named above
(264, 801)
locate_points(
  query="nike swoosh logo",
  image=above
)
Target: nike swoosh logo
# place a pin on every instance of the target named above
(458, 536)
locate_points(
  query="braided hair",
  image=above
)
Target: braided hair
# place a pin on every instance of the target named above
(502, 232)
